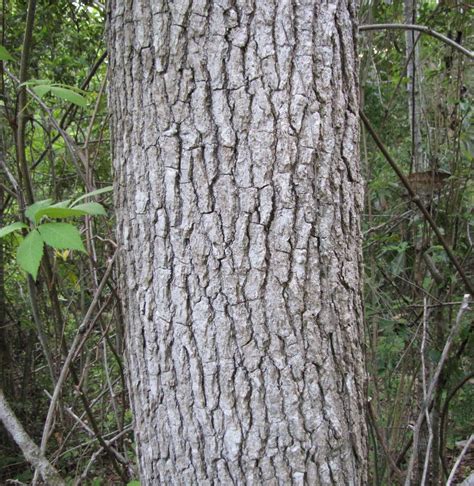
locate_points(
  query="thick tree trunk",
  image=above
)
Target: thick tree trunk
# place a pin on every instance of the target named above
(238, 192)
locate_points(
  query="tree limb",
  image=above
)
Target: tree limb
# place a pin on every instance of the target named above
(416, 199)
(419, 28)
(432, 388)
(30, 450)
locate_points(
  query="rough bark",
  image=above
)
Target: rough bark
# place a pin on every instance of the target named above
(238, 192)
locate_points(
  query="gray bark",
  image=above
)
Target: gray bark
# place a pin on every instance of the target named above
(412, 55)
(30, 450)
(238, 193)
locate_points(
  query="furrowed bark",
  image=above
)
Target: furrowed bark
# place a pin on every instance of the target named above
(238, 193)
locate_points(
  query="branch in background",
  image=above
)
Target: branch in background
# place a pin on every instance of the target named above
(72, 108)
(416, 199)
(73, 150)
(72, 353)
(444, 416)
(433, 384)
(21, 115)
(459, 459)
(30, 450)
(97, 453)
(92, 434)
(372, 421)
(419, 28)
(87, 323)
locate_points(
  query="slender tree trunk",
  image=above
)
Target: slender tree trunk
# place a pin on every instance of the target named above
(238, 193)
(417, 165)
(413, 87)
(4, 350)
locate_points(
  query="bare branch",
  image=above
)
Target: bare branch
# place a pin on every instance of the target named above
(459, 459)
(434, 382)
(419, 28)
(416, 199)
(30, 450)
(72, 353)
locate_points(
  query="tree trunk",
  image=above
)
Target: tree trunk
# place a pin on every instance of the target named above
(413, 74)
(238, 193)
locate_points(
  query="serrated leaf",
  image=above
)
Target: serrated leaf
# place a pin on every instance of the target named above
(30, 252)
(92, 208)
(69, 95)
(41, 89)
(55, 212)
(34, 208)
(94, 193)
(61, 236)
(5, 55)
(10, 228)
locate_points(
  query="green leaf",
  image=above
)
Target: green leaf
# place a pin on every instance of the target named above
(92, 208)
(10, 228)
(30, 252)
(72, 88)
(5, 55)
(94, 193)
(133, 483)
(41, 89)
(34, 208)
(69, 95)
(35, 82)
(62, 236)
(55, 212)
(62, 204)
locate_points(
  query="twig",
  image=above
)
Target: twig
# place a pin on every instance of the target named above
(69, 410)
(459, 459)
(419, 28)
(72, 353)
(59, 453)
(91, 433)
(73, 150)
(396, 470)
(11, 177)
(434, 382)
(66, 119)
(424, 372)
(21, 105)
(70, 110)
(98, 452)
(415, 198)
(440, 304)
(42, 336)
(444, 415)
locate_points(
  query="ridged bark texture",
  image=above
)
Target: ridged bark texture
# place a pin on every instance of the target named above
(238, 192)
